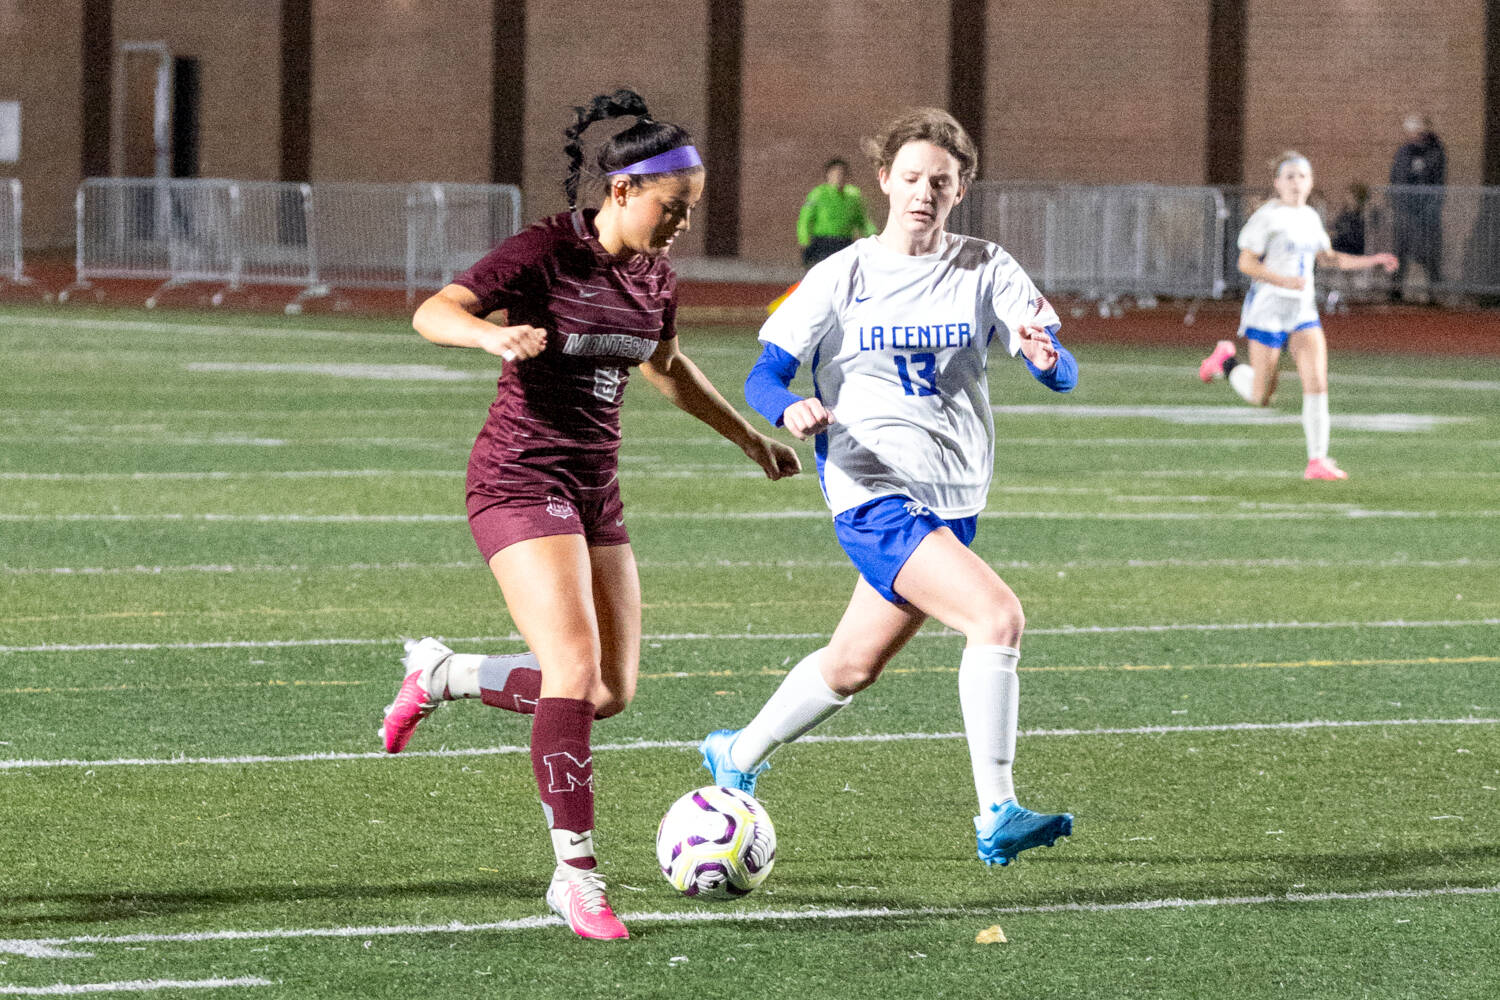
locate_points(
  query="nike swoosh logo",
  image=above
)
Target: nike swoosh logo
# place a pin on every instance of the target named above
(585, 293)
(861, 298)
(575, 841)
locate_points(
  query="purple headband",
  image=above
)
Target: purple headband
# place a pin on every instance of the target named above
(677, 158)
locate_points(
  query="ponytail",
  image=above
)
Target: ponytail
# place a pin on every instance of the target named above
(641, 141)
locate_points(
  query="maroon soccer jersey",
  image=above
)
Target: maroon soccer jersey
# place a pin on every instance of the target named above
(557, 415)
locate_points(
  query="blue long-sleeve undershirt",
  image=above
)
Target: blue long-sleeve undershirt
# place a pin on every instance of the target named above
(1064, 375)
(766, 386)
(767, 393)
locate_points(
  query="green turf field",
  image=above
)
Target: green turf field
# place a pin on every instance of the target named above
(1271, 705)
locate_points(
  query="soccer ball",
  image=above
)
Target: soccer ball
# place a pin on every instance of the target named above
(716, 843)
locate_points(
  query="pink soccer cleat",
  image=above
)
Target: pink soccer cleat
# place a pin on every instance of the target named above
(578, 897)
(413, 702)
(1323, 468)
(1213, 365)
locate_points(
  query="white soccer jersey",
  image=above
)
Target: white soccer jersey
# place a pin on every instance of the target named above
(897, 347)
(1287, 239)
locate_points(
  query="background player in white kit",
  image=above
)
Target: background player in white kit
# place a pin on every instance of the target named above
(896, 329)
(1279, 245)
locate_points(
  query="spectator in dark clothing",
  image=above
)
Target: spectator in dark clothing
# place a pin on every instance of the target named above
(1418, 214)
(1348, 230)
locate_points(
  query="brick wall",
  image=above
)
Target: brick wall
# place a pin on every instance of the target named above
(1335, 80)
(818, 78)
(39, 67)
(401, 91)
(237, 46)
(1076, 89)
(1098, 93)
(658, 48)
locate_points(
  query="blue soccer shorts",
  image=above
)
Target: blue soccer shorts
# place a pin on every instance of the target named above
(879, 536)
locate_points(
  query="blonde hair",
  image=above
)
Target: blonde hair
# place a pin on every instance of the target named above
(932, 125)
(1287, 155)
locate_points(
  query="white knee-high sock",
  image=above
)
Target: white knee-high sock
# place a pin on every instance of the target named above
(1315, 423)
(989, 695)
(802, 701)
(1242, 380)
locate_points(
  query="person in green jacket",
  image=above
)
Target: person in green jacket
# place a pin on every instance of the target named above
(833, 216)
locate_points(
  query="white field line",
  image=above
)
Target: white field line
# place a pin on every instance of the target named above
(928, 633)
(673, 445)
(126, 985)
(1351, 513)
(58, 947)
(229, 569)
(698, 349)
(207, 329)
(455, 475)
(343, 369)
(213, 415)
(242, 440)
(1228, 416)
(304, 758)
(678, 470)
(220, 475)
(1335, 377)
(1268, 473)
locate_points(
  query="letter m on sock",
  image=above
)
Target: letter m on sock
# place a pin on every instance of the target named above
(566, 773)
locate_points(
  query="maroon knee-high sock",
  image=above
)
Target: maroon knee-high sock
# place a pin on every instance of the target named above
(564, 766)
(511, 682)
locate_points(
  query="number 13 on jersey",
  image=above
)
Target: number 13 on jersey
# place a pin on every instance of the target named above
(919, 377)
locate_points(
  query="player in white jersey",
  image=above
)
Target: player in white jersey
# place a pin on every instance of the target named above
(1279, 245)
(896, 330)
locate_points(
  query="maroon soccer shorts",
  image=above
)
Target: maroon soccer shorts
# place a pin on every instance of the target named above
(596, 513)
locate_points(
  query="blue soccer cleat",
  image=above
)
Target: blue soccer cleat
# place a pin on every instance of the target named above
(1008, 829)
(715, 748)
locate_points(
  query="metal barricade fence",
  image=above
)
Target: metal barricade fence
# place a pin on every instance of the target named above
(316, 236)
(453, 225)
(269, 226)
(1347, 286)
(1104, 241)
(1448, 239)
(1239, 204)
(11, 267)
(1450, 235)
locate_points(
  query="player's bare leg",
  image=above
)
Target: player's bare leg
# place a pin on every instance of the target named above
(1264, 360)
(871, 631)
(945, 579)
(617, 603)
(549, 588)
(1310, 351)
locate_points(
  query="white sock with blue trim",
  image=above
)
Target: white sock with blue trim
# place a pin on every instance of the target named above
(989, 696)
(802, 702)
(1242, 380)
(1315, 421)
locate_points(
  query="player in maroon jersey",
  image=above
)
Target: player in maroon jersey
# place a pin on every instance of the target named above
(571, 305)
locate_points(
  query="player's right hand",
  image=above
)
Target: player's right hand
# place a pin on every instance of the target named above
(515, 343)
(807, 417)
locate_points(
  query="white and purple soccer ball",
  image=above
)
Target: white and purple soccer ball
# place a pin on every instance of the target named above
(716, 843)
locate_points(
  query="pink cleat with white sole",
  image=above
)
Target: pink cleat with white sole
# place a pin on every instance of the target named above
(413, 702)
(1213, 365)
(1323, 468)
(578, 897)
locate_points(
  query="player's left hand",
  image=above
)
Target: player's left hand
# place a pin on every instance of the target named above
(1389, 261)
(777, 459)
(1036, 344)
